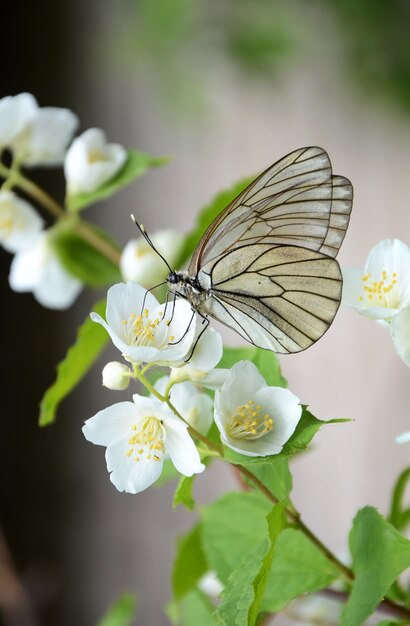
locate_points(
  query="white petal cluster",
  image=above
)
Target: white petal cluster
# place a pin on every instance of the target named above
(37, 136)
(91, 161)
(145, 331)
(252, 418)
(20, 223)
(141, 264)
(116, 376)
(137, 436)
(38, 269)
(381, 291)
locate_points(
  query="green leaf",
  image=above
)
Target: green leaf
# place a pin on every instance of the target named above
(207, 215)
(399, 515)
(243, 594)
(84, 261)
(190, 563)
(183, 493)
(137, 164)
(194, 610)
(274, 473)
(298, 567)
(90, 341)
(236, 523)
(388, 622)
(266, 361)
(121, 613)
(231, 528)
(379, 554)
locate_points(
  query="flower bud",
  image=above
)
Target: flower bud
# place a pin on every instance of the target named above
(116, 376)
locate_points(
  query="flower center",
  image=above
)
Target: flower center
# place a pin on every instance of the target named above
(96, 155)
(383, 292)
(247, 422)
(147, 439)
(9, 221)
(142, 331)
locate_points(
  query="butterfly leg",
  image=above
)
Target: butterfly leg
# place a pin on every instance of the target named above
(205, 321)
(148, 291)
(173, 343)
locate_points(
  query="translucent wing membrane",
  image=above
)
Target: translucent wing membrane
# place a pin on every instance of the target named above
(297, 201)
(281, 298)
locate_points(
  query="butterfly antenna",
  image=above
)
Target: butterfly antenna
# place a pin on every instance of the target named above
(147, 238)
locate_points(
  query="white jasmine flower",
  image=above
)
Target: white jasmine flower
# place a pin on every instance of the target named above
(38, 269)
(194, 406)
(382, 288)
(91, 161)
(141, 264)
(403, 438)
(252, 418)
(210, 584)
(400, 332)
(116, 376)
(315, 610)
(138, 434)
(45, 139)
(19, 222)
(145, 331)
(206, 355)
(15, 114)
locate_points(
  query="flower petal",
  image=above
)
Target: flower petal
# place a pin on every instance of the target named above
(20, 223)
(129, 475)
(240, 386)
(181, 448)
(15, 114)
(108, 426)
(400, 332)
(208, 350)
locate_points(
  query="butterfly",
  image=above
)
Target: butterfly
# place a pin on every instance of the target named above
(266, 266)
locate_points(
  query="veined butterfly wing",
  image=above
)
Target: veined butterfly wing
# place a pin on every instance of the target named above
(297, 201)
(267, 262)
(280, 298)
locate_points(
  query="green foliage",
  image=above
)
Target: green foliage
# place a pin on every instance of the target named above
(206, 216)
(266, 361)
(121, 613)
(380, 554)
(194, 610)
(83, 260)
(242, 597)
(91, 340)
(136, 165)
(183, 493)
(189, 565)
(298, 567)
(400, 515)
(274, 473)
(232, 527)
(236, 523)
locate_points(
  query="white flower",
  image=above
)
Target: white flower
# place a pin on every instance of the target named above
(403, 438)
(206, 355)
(400, 332)
(45, 139)
(194, 406)
(145, 331)
(15, 114)
(91, 161)
(138, 434)
(141, 264)
(116, 376)
(38, 269)
(210, 584)
(315, 610)
(19, 222)
(252, 418)
(382, 288)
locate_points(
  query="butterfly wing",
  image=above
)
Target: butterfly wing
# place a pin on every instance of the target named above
(280, 298)
(297, 201)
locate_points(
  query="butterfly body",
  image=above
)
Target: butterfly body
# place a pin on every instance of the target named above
(266, 265)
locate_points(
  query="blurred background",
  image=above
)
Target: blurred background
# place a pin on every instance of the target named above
(226, 87)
